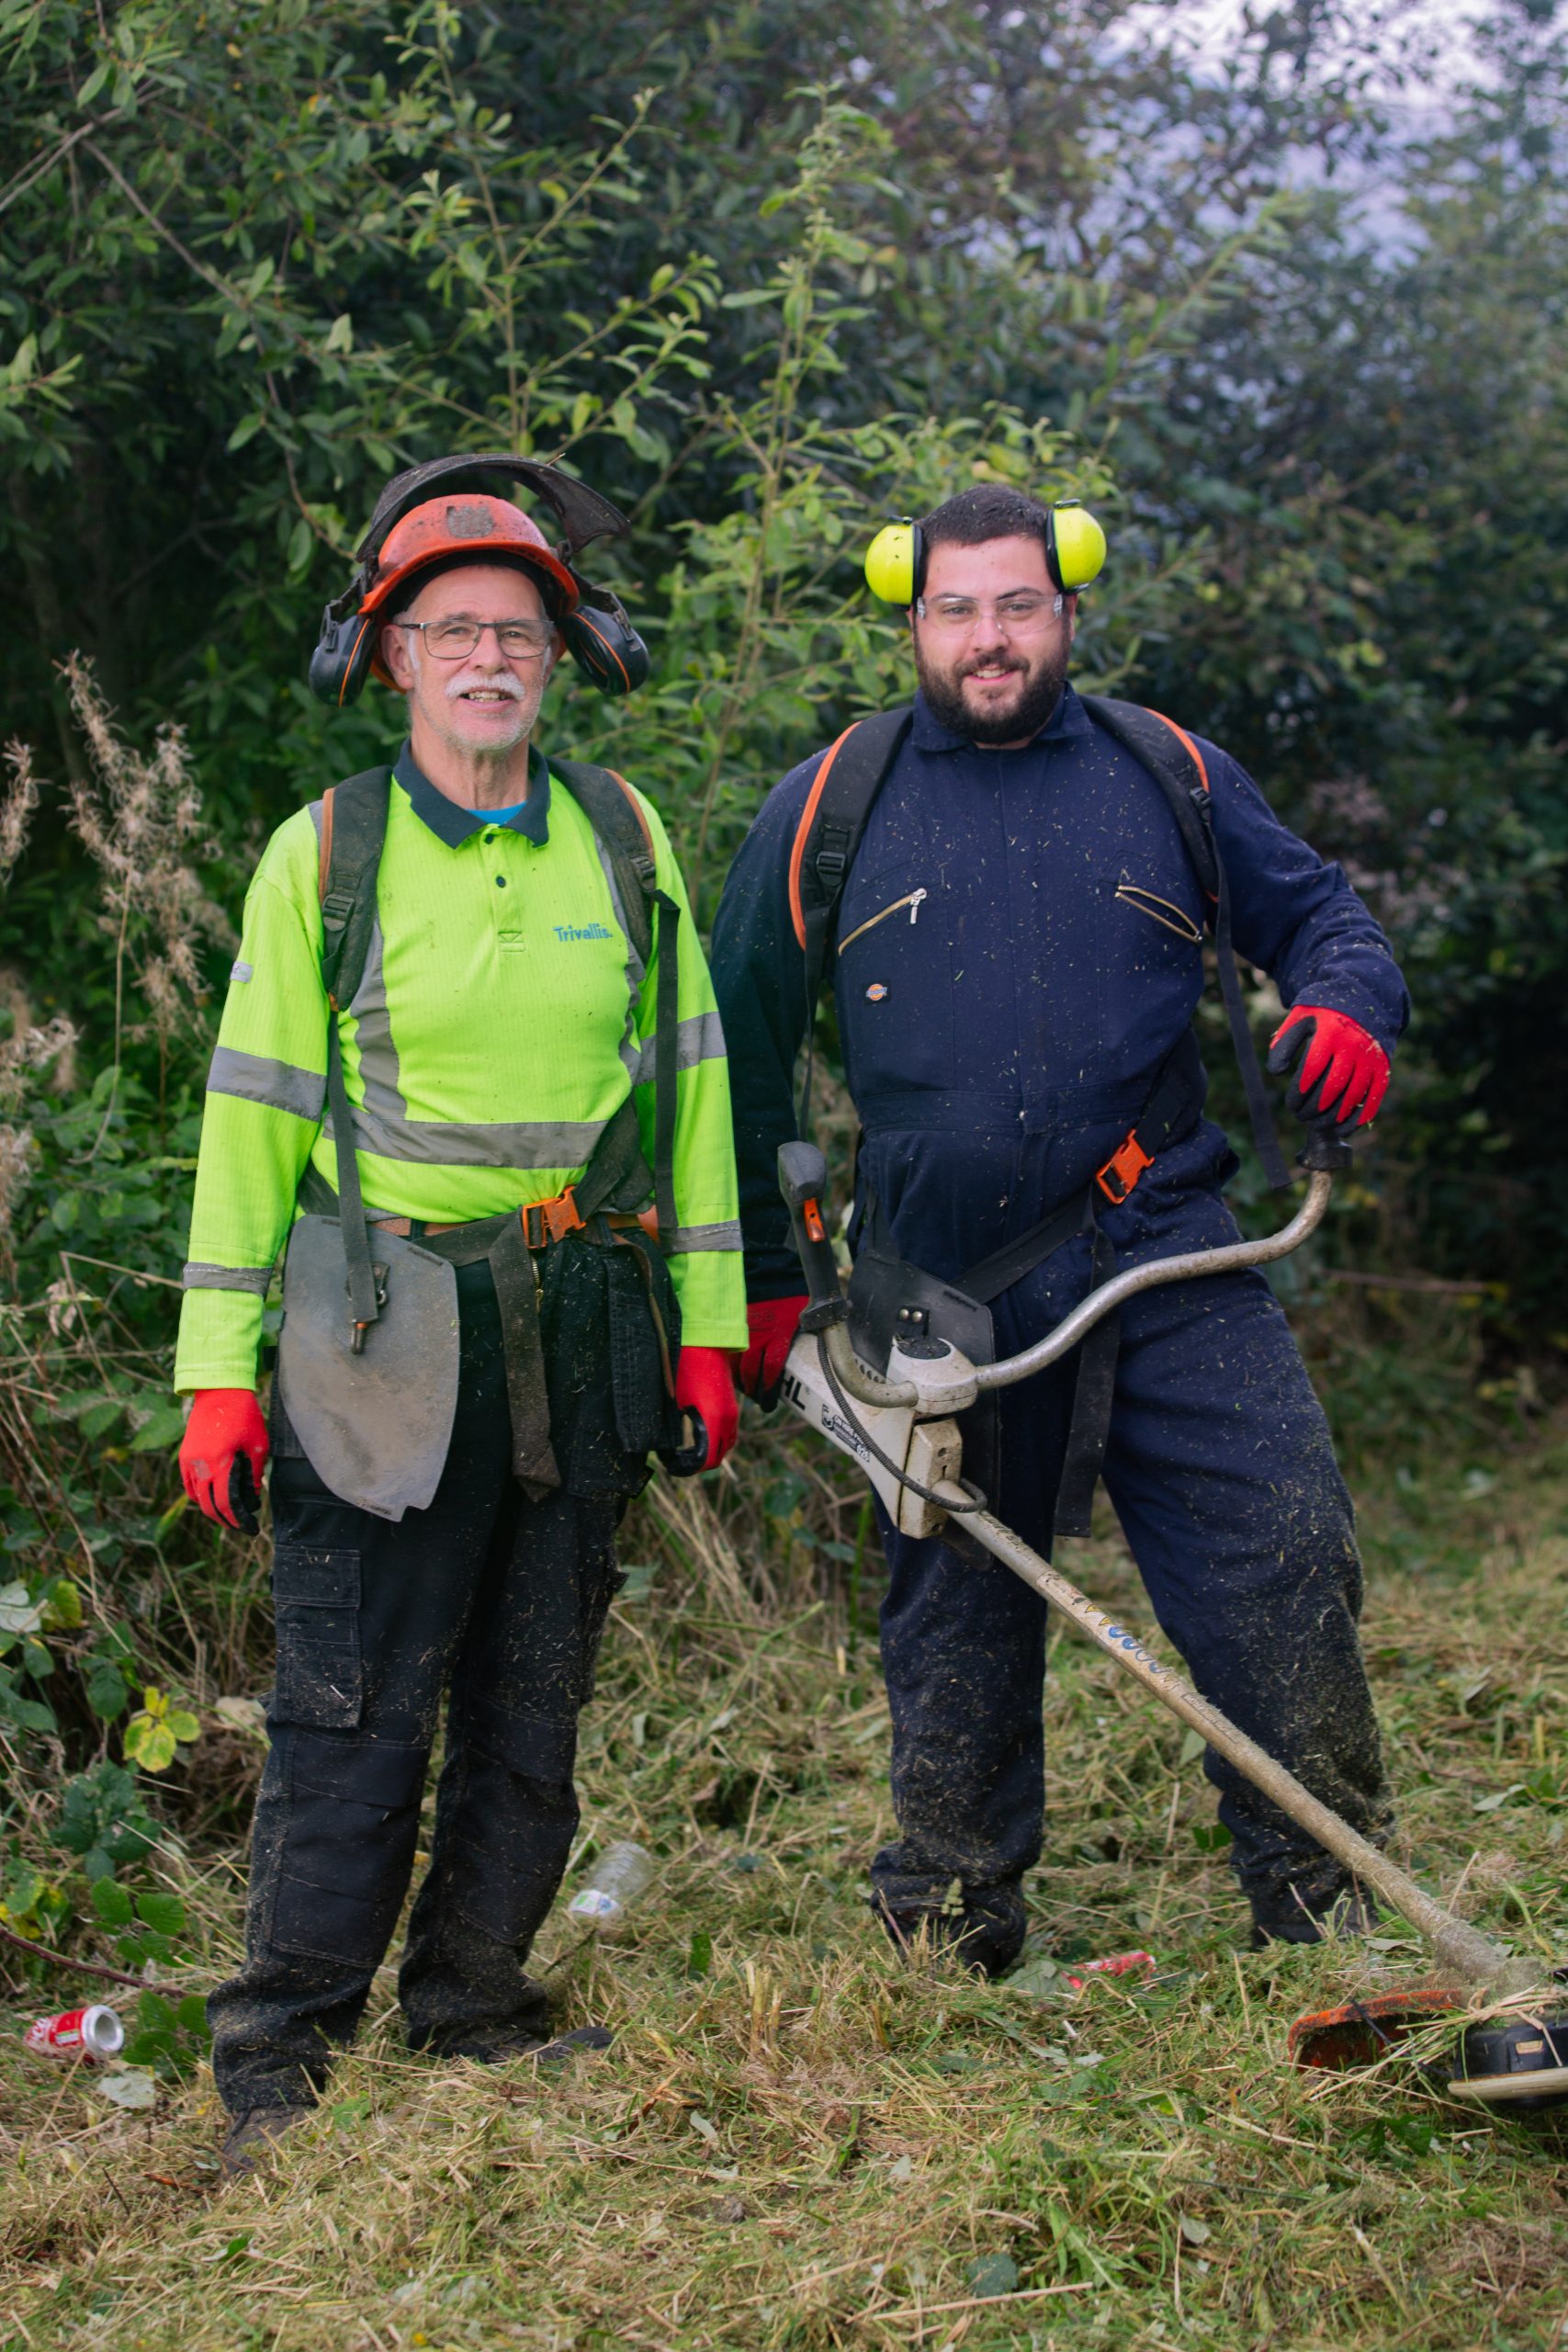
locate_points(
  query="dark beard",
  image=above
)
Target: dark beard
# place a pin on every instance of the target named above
(945, 700)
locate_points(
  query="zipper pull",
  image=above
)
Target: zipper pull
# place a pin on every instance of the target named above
(917, 900)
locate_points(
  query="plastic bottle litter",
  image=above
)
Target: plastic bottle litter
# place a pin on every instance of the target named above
(620, 1874)
(93, 2032)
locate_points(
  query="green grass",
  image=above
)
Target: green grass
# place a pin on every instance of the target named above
(800, 2142)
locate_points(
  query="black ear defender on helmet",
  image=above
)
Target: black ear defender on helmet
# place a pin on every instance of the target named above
(601, 640)
(345, 647)
(596, 629)
(1075, 552)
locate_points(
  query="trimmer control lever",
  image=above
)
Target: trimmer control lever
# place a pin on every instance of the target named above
(803, 1180)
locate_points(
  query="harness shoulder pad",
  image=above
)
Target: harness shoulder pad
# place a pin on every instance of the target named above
(1173, 760)
(612, 807)
(831, 824)
(354, 829)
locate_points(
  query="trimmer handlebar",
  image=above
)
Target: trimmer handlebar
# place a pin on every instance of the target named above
(803, 1176)
(803, 1180)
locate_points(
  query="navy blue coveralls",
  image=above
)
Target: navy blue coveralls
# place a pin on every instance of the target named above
(1017, 949)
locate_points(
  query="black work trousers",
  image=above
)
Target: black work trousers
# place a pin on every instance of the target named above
(1221, 1471)
(497, 1600)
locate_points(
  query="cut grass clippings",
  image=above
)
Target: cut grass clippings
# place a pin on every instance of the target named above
(797, 2140)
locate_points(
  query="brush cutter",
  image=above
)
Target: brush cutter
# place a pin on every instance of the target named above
(899, 1424)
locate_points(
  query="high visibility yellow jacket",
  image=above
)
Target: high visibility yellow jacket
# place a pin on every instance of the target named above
(503, 1018)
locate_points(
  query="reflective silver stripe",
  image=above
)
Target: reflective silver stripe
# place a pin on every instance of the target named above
(699, 1038)
(251, 1278)
(380, 1074)
(704, 1236)
(529, 1143)
(281, 1086)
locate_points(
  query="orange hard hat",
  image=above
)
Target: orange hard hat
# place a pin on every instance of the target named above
(485, 529)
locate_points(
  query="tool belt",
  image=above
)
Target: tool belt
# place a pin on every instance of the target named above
(891, 1300)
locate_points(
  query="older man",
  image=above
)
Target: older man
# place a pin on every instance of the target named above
(467, 1034)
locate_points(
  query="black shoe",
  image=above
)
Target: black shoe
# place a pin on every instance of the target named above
(500, 2046)
(984, 1931)
(1301, 1915)
(253, 2131)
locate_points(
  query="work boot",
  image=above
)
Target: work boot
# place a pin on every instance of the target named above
(1295, 1914)
(984, 1929)
(498, 2046)
(253, 2132)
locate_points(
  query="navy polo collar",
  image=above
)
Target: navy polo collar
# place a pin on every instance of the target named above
(453, 825)
(1069, 720)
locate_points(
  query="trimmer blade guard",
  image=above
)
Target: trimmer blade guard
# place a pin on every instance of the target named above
(1361, 2033)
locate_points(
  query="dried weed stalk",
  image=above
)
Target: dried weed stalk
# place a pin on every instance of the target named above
(141, 822)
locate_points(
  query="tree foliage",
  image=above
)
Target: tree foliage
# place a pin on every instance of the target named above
(764, 275)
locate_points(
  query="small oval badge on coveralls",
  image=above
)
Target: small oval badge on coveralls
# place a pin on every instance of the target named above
(876, 991)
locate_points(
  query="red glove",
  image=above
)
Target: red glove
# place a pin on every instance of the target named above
(772, 1325)
(225, 1427)
(1352, 1065)
(704, 1384)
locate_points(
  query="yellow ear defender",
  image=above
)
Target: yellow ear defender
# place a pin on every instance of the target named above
(1074, 546)
(894, 562)
(1075, 552)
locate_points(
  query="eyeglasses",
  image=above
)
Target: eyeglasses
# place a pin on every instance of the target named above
(1018, 614)
(450, 640)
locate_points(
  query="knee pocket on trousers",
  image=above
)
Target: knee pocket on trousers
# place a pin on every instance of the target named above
(320, 1682)
(347, 1848)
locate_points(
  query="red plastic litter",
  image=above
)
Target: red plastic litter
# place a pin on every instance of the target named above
(1120, 1963)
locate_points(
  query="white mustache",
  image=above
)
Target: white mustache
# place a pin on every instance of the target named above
(503, 685)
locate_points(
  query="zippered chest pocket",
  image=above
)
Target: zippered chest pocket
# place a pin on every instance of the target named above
(910, 904)
(894, 974)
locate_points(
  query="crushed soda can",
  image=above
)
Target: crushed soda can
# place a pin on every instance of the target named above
(1119, 1963)
(95, 2033)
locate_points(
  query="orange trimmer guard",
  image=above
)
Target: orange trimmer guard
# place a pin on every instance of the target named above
(1361, 2033)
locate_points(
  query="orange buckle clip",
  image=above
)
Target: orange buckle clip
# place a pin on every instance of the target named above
(1122, 1169)
(547, 1221)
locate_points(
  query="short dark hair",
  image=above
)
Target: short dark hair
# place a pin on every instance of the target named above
(991, 510)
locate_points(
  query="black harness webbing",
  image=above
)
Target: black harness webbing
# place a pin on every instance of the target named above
(353, 831)
(1172, 1107)
(831, 825)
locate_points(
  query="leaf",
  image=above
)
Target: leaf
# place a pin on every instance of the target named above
(150, 1743)
(993, 2274)
(703, 2128)
(166, 1913)
(19, 1613)
(185, 1727)
(165, 1426)
(134, 2087)
(1500, 1797)
(112, 1904)
(699, 1953)
(63, 1606)
(106, 1693)
(1194, 2232)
